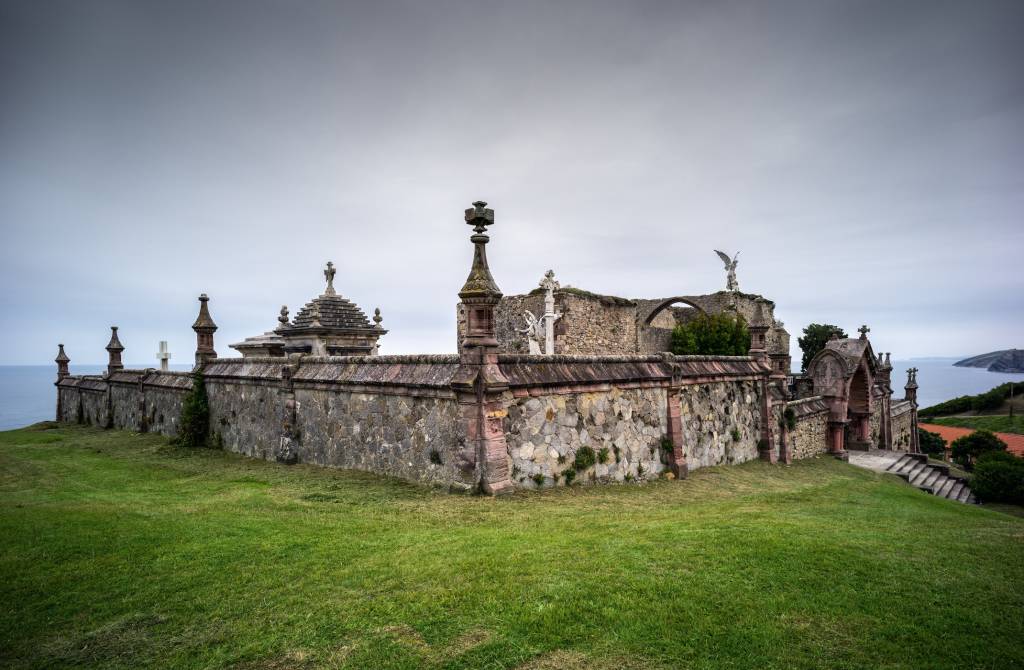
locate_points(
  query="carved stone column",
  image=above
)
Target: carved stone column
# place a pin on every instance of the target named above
(677, 465)
(479, 382)
(62, 361)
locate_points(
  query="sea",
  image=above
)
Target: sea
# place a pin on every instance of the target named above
(27, 393)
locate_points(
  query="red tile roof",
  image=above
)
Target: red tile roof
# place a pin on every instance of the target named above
(1014, 443)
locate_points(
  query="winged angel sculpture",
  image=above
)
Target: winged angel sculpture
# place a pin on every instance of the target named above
(730, 267)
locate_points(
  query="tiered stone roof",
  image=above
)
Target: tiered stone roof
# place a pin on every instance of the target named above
(331, 311)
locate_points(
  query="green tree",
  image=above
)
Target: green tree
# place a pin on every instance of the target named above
(999, 477)
(968, 448)
(932, 444)
(712, 335)
(815, 337)
(195, 415)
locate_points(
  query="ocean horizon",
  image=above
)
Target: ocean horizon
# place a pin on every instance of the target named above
(28, 395)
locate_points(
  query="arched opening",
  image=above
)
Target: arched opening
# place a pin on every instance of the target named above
(656, 327)
(859, 409)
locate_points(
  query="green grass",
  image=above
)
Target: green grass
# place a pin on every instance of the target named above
(120, 551)
(997, 424)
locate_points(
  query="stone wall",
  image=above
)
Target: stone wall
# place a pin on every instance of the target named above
(902, 424)
(716, 414)
(810, 437)
(623, 427)
(406, 416)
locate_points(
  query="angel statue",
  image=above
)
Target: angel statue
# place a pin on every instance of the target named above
(532, 331)
(730, 266)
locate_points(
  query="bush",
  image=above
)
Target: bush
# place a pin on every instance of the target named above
(992, 399)
(736, 436)
(968, 448)
(712, 335)
(569, 475)
(195, 415)
(931, 443)
(999, 477)
(585, 457)
(602, 455)
(789, 416)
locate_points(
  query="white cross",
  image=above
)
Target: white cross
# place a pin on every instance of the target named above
(163, 356)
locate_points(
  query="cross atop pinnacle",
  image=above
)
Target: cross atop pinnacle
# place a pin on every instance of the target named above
(329, 273)
(479, 217)
(864, 330)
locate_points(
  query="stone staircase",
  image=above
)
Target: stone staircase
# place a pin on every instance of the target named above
(932, 478)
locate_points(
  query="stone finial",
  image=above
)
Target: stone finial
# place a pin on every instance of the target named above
(758, 329)
(204, 328)
(204, 320)
(888, 361)
(283, 317)
(864, 330)
(329, 273)
(479, 217)
(62, 361)
(480, 283)
(377, 318)
(114, 349)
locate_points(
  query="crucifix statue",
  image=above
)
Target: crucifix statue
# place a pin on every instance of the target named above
(329, 273)
(864, 330)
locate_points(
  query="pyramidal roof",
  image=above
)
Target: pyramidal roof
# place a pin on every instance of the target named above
(330, 310)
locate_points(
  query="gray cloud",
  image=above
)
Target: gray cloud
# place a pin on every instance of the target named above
(866, 158)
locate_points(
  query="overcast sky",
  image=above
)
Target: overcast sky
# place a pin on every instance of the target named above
(866, 159)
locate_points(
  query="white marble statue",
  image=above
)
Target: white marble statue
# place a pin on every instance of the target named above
(532, 331)
(730, 267)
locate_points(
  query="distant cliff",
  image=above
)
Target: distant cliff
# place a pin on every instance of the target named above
(1009, 360)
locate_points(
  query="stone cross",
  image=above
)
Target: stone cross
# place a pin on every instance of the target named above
(549, 285)
(163, 356)
(864, 330)
(329, 273)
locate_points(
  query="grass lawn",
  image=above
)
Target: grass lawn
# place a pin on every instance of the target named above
(997, 424)
(120, 551)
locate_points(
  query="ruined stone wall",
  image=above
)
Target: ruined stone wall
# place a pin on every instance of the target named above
(624, 428)
(716, 414)
(810, 437)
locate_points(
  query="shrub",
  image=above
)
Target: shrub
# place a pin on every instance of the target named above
(667, 446)
(561, 459)
(435, 457)
(538, 479)
(195, 415)
(585, 457)
(968, 448)
(999, 477)
(931, 443)
(720, 334)
(736, 434)
(618, 454)
(602, 455)
(569, 475)
(789, 416)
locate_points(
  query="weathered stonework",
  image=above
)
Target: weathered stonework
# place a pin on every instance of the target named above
(625, 429)
(810, 436)
(902, 425)
(711, 413)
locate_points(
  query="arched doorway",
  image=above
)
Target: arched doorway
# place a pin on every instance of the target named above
(859, 410)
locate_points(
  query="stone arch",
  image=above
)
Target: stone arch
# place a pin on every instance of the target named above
(665, 304)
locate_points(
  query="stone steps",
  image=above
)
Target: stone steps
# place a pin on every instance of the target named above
(934, 479)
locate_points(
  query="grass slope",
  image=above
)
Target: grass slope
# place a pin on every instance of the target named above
(120, 551)
(997, 424)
